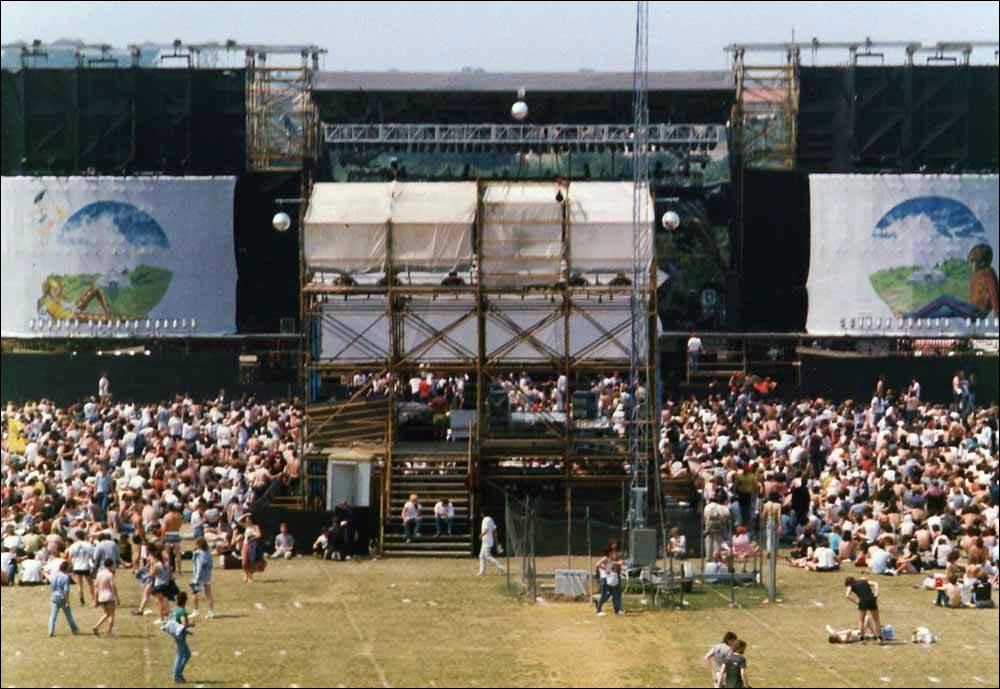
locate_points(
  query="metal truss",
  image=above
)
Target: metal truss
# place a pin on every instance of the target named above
(522, 135)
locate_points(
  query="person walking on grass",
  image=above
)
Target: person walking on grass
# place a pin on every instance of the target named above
(866, 592)
(488, 534)
(717, 656)
(59, 590)
(201, 580)
(734, 668)
(610, 568)
(81, 554)
(107, 597)
(182, 629)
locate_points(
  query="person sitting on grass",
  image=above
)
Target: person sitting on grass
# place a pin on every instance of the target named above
(284, 544)
(982, 594)
(678, 544)
(320, 546)
(950, 595)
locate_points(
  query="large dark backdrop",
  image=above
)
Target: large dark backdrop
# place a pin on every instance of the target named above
(775, 262)
(66, 379)
(905, 119)
(123, 121)
(267, 261)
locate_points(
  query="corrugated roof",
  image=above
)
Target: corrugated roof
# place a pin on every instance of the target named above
(539, 82)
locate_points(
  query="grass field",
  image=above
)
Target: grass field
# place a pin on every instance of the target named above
(430, 623)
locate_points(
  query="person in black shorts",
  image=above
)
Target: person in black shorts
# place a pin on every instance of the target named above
(866, 593)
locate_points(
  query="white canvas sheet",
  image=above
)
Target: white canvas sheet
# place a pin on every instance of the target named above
(890, 254)
(601, 230)
(132, 250)
(432, 225)
(346, 226)
(522, 234)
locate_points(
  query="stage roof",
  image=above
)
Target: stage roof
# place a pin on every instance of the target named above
(537, 82)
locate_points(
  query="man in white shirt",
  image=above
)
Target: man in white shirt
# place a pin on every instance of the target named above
(694, 352)
(31, 571)
(444, 517)
(104, 388)
(488, 534)
(824, 560)
(411, 519)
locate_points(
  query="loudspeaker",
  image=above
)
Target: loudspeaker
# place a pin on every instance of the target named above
(584, 405)
(498, 405)
(642, 547)
(469, 394)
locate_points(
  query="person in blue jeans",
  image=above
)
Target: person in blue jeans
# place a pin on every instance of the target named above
(180, 616)
(60, 600)
(610, 567)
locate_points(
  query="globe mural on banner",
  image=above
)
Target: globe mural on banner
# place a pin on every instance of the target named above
(951, 275)
(124, 246)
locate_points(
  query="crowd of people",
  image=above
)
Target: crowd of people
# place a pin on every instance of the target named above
(891, 486)
(105, 486)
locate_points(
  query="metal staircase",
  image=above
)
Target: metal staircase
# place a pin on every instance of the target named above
(431, 479)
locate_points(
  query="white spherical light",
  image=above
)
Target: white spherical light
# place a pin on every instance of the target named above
(281, 222)
(671, 221)
(519, 110)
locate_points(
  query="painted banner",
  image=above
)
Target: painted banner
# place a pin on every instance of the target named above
(903, 254)
(118, 256)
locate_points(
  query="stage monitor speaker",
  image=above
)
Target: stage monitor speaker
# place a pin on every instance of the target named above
(469, 394)
(642, 547)
(498, 405)
(584, 405)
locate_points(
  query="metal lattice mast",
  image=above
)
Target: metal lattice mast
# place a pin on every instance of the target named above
(639, 373)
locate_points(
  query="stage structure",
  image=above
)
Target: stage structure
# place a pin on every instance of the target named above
(481, 281)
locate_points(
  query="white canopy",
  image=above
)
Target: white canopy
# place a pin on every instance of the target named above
(432, 225)
(601, 234)
(522, 234)
(347, 226)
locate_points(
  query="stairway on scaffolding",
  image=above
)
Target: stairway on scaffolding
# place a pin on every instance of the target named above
(431, 479)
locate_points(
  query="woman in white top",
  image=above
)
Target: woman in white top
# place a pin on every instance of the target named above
(81, 555)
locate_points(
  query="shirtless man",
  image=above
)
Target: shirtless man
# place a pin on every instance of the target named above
(171, 525)
(771, 517)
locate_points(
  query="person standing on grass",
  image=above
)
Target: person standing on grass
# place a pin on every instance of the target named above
(251, 553)
(488, 534)
(866, 593)
(181, 618)
(81, 554)
(734, 668)
(610, 567)
(201, 580)
(716, 657)
(107, 597)
(59, 590)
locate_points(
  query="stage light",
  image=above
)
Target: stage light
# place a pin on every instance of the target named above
(671, 220)
(281, 222)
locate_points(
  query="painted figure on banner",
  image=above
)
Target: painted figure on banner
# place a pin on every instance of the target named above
(983, 291)
(120, 246)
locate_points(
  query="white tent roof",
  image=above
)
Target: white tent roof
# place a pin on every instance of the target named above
(347, 225)
(601, 231)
